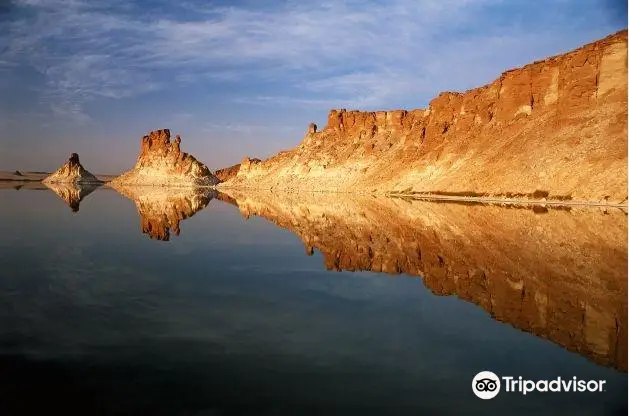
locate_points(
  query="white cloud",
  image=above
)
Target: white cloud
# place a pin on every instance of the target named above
(350, 53)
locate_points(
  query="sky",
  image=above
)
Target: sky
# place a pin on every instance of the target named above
(244, 78)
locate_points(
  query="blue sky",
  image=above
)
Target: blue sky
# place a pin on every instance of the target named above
(238, 78)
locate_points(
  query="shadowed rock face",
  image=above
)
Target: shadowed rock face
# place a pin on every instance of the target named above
(558, 126)
(161, 162)
(227, 173)
(162, 209)
(230, 172)
(72, 172)
(558, 274)
(72, 193)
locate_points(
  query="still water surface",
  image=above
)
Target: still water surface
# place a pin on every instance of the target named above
(108, 311)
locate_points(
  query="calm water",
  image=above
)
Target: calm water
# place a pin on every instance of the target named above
(108, 310)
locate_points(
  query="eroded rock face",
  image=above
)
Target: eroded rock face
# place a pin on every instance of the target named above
(227, 173)
(230, 172)
(72, 172)
(161, 209)
(72, 193)
(247, 165)
(162, 163)
(557, 126)
(558, 274)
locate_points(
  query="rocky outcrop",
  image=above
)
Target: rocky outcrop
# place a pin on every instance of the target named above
(72, 193)
(72, 172)
(162, 163)
(227, 173)
(161, 209)
(559, 274)
(556, 126)
(230, 172)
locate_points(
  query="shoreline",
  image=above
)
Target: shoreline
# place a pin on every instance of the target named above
(490, 200)
(436, 197)
(414, 196)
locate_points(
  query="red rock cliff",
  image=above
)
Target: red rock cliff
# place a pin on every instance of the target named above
(556, 126)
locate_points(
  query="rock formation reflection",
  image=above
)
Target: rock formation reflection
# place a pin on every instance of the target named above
(71, 193)
(162, 208)
(559, 274)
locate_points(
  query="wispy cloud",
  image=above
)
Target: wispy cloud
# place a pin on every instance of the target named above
(351, 52)
(244, 127)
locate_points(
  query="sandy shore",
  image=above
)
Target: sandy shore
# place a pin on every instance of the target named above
(507, 201)
(22, 176)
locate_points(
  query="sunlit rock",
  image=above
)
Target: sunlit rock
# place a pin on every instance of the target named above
(72, 172)
(162, 163)
(558, 126)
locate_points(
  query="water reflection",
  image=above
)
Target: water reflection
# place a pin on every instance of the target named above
(161, 209)
(72, 193)
(233, 318)
(557, 273)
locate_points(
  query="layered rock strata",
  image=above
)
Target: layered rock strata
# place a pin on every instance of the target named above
(559, 274)
(556, 127)
(162, 163)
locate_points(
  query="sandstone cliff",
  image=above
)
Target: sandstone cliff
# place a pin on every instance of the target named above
(162, 163)
(162, 209)
(230, 172)
(72, 172)
(556, 128)
(559, 274)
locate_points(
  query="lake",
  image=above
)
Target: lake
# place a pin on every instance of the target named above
(173, 301)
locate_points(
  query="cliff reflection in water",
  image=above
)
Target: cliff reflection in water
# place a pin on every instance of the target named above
(558, 274)
(72, 193)
(161, 209)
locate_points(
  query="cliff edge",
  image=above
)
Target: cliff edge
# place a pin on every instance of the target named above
(162, 163)
(555, 129)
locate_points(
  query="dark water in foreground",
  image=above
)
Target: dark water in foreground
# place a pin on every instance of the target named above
(233, 317)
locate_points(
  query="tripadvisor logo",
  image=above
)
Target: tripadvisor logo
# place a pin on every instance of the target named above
(486, 385)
